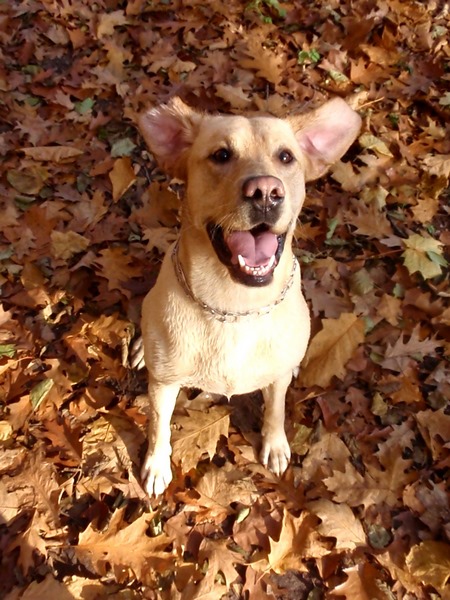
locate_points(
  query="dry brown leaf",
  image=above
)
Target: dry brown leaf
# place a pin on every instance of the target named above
(330, 349)
(108, 21)
(197, 434)
(364, 582)
(438, 164)
(124, 550)
(66, 244)
(297, 542)
(122, 177)
(49, 588)
(339, 521)
(57, 154)
(429, 562)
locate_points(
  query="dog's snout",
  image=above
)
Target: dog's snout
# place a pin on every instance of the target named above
(265, 192)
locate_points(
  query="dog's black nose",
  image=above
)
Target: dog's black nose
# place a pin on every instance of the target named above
(265, 192)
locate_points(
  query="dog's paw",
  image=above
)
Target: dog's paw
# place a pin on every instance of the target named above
(137, 354)
(156, 473)
(275, 453)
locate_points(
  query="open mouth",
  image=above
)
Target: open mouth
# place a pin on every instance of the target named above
(251, 256)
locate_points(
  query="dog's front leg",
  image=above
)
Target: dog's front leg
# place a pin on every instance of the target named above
(275, 452)
(156, 471)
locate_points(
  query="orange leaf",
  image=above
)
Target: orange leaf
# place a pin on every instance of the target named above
(122, 177)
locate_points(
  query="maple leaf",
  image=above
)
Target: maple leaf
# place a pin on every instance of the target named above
(423, 255)
(330, 349)
(197, 434)
(338, 521)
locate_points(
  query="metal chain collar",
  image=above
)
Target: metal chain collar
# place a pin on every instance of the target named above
(221, 315)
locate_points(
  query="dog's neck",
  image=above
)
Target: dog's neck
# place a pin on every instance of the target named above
(229, 300)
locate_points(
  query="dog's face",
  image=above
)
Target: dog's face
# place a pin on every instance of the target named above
(246, 177)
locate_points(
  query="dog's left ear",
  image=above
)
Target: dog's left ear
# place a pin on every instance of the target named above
(325, 134)
(168, 131)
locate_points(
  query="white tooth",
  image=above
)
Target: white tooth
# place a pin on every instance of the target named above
(271, 262)
(241, 261)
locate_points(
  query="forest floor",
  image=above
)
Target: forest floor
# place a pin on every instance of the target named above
(363, 512)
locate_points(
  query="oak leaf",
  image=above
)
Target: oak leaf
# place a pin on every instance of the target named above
(437, 164)
(297, 542)
(124, 549)
(398, 357)
(117, 267)
(221, 487)
(338, 521)
(267, 63)
(49, 588)
(108, 21)
(197, 434)
(330, 350)
(430, 563)
(364, 582)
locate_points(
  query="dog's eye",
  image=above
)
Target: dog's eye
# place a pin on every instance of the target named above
(222, 155)
(285, 157)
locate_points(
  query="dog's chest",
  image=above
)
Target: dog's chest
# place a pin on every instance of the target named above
(235, 358)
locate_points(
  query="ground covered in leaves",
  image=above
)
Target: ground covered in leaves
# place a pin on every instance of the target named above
(364, 510)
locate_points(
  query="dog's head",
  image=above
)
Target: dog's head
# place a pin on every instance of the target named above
(245, 177)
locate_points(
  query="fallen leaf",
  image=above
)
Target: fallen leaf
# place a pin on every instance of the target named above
(339, 521)
(364, 582)
(423, 255)
(57, 154)
(66, 244)
(430, 563)
(197, 434)
(122, 177)
(124, 550)
(330, 349)
(297, 542)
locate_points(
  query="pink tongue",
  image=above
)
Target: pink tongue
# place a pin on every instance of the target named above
(255, 249)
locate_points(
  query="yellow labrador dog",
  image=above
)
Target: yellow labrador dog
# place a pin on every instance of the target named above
(227, 313)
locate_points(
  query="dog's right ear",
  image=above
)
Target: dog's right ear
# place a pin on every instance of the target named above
(168, 131)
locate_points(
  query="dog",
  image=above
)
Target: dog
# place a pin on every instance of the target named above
(226, 313)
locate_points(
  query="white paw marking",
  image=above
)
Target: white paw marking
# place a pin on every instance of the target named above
(275, 453)
(156, 473)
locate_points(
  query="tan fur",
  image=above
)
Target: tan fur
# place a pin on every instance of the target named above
(184, 345)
